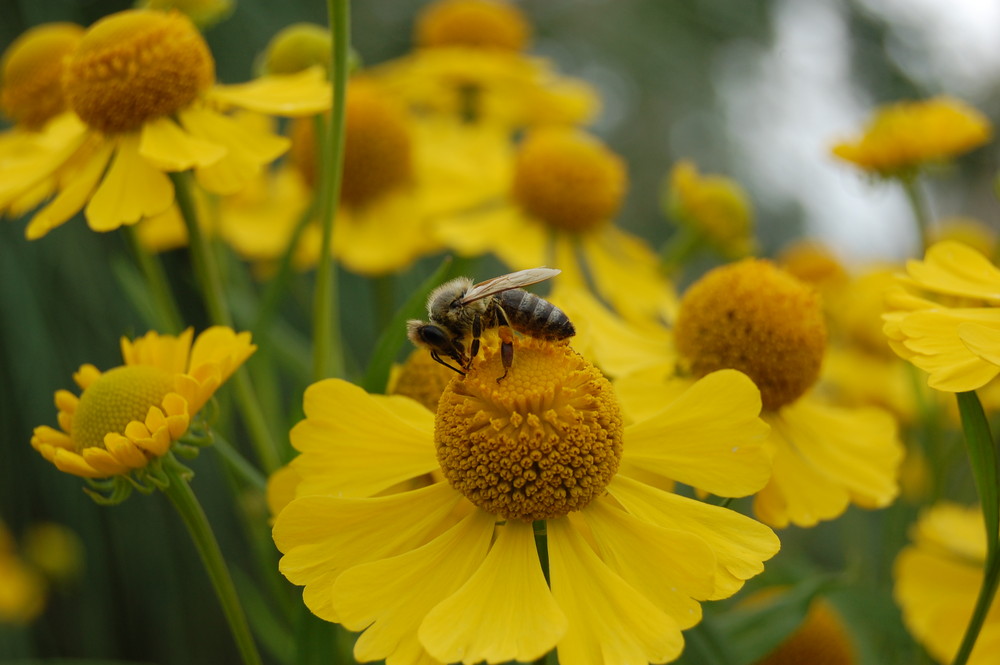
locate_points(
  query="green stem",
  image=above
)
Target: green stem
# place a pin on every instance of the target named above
(327, 345)
(210, 277)
(238, 464)
(184, 500)
(983, 459)
(276, 286)
(156, 281)
(918, 203)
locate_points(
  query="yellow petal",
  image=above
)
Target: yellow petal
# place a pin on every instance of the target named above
(102, 461)
(170, 148)
(321, 536)
(982, 340)
(131, 189)
(222, 345)
(741, 545)
(389, 598)
(387, 440)
(303, 93)
(672, 568)
(71, 462)
(934, 345)
(504, 612)
(359, 237)
(710, 437)
(72, 197)
(956, 269)
(124, 451)
(58, 145)
(521, 243)
(168, 352)
(610, 623)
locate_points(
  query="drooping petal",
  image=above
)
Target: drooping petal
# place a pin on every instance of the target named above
(57, 146)
(170, 148)
(710, 437)
(390, 597)
(741, 545)
(610, 623)
(954, 268)
(504, 612)
(131, 189)
(385, 441)
(71, 462)
(321, 536)
(933, 344)
(672, 568)
(982, 339)
(300, 94)
(71, 199)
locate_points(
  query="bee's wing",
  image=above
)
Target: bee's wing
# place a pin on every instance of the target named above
(514, 280)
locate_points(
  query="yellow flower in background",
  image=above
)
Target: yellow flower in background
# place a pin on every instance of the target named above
(821, 639)
(296, 48)
(55, 551)
(141, 85)
(421, 378)
(560, 202)
(937, 580)
(906, 135)
(469, 63)
(969, 231)
(22, 589)
(203, 13)
(753, 317)
(420, 528)
(715, 208)
(953, 333)
(398, 173)
(129, 415)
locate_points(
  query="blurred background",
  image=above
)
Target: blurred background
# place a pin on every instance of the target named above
(757, 90)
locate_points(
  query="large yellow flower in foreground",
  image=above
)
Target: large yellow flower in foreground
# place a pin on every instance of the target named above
(938, 579)
(141, 87)
(904, 136)
(423, 530)
(753, 317)
(945, 318)
(127, 416)
(565, 189)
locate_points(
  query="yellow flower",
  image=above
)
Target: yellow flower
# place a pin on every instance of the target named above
(398, 174)
(904, 136)
(131, 414)
(141, 85)
(297, 47)
(469, 64)
(714, 207)
(55, 551)
(420, 529)
(938, 579)
(203, 13)
(32, 70)
(821, 639)
(753, 317)
(420, 378)
(22, 590)
(953, 334)
(565, 190)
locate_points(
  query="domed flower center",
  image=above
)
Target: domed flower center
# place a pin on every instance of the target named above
(32, 73)
(568, 179)
(422, 378)
(377, 146)
(137, 65)
(484, 24)
(115, 399)
(756, 318)
(541, 443)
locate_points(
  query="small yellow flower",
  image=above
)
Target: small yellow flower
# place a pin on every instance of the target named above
(953, 333)
(905, 136)
(131, 414)
(419, 529)
(297, 48)
(564, 192)
(141, 87)
(32, 71)
(753, 317)
(714, 207)
(55, 551)
(937, 581)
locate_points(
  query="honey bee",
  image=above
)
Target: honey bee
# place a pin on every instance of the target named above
(459, 309)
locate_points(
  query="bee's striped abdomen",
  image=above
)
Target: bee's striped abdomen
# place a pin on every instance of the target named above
(532, 315)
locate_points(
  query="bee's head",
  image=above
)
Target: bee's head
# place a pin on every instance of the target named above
(429, 336)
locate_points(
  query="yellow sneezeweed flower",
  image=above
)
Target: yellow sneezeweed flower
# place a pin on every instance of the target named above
(821, 639)
(141, 87)
(131, 414)
(420, 378)
(937, 580)
(904, 136)
(397, 175)
(953, 333)
(419, 528)
(713, 207)
(203, 13)
(561, 199)
(469, 63)
(754, 317)
(296, 48)
(22, 589)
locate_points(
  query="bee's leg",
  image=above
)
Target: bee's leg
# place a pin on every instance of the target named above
(477, 332)
(506, 343)
(435, 356)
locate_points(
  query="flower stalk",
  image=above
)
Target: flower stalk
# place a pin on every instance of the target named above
(918, 203)
(191, 512)
(327, 347)
(156, 281)
(983, 458)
